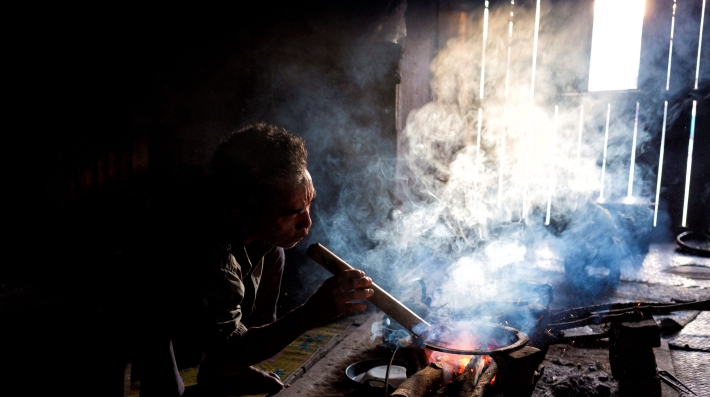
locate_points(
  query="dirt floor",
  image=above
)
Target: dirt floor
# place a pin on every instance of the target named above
(570, 370)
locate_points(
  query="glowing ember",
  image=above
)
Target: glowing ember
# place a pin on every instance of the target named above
(454, 362)
(457, 364)
(493, 380)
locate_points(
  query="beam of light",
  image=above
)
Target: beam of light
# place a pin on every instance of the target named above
(633, 152)
(501, 152)
(606, 142)
(660, 163)
(532, 96)
(483, 52)
(616, 44)
(534, 59)
(700, 44)
(670, 48)
(510, 44)
(579, 139)
(478, 145)
(690, 163)
(551, 169)
(524, 214)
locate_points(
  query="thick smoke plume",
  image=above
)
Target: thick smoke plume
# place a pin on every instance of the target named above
(482, 165)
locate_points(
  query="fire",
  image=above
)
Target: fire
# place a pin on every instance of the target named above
(454, 362)
(457, 363)
(493, 380)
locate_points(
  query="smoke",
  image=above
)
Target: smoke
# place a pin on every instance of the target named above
(481, 166)
(480, 172)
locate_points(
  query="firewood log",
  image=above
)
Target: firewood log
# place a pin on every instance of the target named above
(490, 370)
(462, 385)
(422, 382)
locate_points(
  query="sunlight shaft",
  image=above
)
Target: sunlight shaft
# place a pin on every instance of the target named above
(660, 163)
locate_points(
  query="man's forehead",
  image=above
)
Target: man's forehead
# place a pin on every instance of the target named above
(297, 193)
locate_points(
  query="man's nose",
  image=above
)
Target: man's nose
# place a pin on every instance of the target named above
(305, 221)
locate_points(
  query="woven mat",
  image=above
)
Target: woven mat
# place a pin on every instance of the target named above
(695, 335)
(692, 369)
(284, 363)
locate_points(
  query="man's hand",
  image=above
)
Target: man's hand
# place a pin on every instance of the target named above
(336, 294)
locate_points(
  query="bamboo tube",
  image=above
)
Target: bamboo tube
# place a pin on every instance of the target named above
(384, 301)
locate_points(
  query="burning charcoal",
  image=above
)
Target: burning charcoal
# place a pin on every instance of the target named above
(463, 384)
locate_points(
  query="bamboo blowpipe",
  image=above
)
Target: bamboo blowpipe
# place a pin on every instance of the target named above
(384, 301)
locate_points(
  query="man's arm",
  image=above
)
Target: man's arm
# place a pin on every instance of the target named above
(333, 298)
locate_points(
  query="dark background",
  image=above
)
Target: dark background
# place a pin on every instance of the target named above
(108, 100)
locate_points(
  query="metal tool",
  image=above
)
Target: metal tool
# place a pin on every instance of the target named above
(673, 382)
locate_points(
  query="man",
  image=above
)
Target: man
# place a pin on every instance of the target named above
(230, 260)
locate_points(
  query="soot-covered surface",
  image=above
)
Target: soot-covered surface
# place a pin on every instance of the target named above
(571, 370)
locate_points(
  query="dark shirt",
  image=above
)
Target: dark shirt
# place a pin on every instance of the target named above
(227, 282)
(199, 285)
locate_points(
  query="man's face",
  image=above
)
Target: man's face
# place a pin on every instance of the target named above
(286, 216)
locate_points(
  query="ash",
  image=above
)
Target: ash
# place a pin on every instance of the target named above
(571, 370)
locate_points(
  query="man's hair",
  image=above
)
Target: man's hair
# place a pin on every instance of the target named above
(255, 160)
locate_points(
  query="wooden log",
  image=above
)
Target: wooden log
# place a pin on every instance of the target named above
(462, 385)
(490, 370)
(421, 383)
(384, 301)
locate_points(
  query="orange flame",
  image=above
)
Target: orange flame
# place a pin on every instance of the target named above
(493, 380)
(456, 363)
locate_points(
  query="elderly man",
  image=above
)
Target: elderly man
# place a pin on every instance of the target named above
(229, 260)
